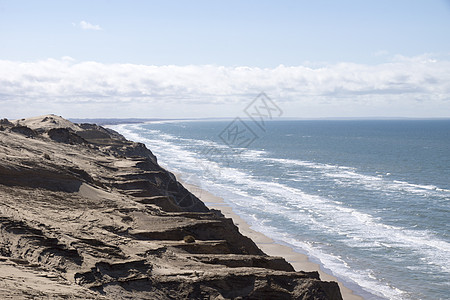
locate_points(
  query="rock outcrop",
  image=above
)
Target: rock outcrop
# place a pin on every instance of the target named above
(87, 214)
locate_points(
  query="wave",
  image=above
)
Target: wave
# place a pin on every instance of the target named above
(344, 175)
(348, 176)
(335, 265)
(262, 202)
(239, 177)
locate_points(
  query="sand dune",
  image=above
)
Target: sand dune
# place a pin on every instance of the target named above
(86, 214)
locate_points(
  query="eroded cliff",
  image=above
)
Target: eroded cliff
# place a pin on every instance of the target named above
(86, 214)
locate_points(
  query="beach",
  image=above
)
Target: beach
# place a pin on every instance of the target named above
(299, 261)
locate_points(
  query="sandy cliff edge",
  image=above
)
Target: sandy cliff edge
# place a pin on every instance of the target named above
(87, 214)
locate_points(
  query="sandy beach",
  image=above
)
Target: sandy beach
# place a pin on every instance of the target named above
(299, 261)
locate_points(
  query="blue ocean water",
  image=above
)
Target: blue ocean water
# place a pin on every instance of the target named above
(367, 200)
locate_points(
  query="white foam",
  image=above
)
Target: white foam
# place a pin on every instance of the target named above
(337, 266)
(266, 201)
(348, 176)
(381, 183)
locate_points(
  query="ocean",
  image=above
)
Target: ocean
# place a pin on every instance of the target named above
(368, 200)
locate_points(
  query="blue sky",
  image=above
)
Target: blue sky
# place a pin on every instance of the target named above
(208, 58)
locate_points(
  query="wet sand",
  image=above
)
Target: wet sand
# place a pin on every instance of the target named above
(299, 261)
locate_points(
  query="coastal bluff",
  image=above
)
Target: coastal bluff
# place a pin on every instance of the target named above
(87, 214)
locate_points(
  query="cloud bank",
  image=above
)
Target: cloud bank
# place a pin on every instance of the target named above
(415, 87)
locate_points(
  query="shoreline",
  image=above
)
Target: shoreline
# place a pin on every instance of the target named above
(53, 171)
(299, 261)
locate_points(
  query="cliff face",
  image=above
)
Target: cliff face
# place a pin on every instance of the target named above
(84, 213)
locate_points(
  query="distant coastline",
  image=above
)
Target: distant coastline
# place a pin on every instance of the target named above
(118, 121)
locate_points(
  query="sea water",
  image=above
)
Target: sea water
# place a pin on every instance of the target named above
(367, 200)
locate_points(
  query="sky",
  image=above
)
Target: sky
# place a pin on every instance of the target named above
(183, 59)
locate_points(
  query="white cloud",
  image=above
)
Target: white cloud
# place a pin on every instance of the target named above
(417, 86)
(88, 26)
